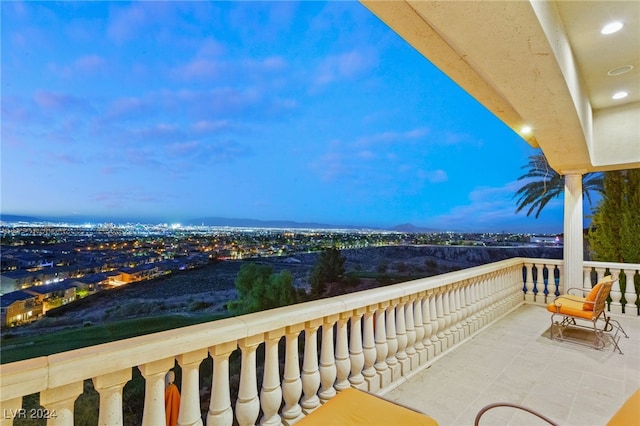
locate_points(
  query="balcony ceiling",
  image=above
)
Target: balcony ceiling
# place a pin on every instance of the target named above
(539, 64)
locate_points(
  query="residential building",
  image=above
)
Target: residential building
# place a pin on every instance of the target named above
(19, 307)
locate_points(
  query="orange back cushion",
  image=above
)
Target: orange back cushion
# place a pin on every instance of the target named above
(591, 297)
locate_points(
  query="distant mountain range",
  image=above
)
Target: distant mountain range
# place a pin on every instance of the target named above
(256, 223)
(219, 221)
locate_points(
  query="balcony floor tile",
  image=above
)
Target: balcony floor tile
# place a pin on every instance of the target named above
(515, 361)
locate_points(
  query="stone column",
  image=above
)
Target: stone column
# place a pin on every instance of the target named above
(220, 412)
(189, 413)
(60, 403)
(310, 371)
(271, 393)
(248, 403)
(153, 373)
(110, 386)
(573, 217)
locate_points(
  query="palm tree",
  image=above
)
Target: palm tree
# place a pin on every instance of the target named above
(547, 184)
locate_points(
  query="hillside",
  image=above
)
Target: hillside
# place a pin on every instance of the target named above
(206, 290)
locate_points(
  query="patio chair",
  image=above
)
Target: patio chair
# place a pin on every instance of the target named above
(570, 312)
(627, 415)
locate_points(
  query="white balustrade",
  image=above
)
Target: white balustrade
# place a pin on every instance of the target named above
(382, 348)
(419, 328)
(110, 386)
(343, 364)
(411, 335)
(310, 371)
(369, 350)
(220, 412)
(271, 393)
(392, 332)
(356, 354)
(392, 342)
(328, 370)
(60, 400)
(153, 373)
(189, 413)
(292, 384)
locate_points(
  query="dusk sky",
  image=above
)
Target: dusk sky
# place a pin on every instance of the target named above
(311, 111)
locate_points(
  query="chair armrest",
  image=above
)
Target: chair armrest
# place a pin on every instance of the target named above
(508, 404)
(583, 290)
(558, 300)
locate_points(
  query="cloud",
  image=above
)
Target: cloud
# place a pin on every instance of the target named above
(433, 176)
(65, 158)
(490, 208)
(124, 199)
(345, 66)
(89, 63)
(125, 22)
(201, 68)
(127, 108)
(58, 101)
(392, 137)
(211, 126)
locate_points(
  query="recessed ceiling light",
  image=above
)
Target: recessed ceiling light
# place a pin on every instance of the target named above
(612, 27)
(620, 95)
(620, 70)
(525, 130)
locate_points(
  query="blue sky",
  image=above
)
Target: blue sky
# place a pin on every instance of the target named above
(309, 111)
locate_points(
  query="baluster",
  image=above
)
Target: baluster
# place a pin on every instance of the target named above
(292, 384)
(562, 286)
(355, 350)
(382, 350)
(492, 297)
(343, 363)
(453, 313)
(446, 312)
(428, 323)
(411, 335)
(328, 370)
(545, 280)
(220, 412)
(248, 403)
(61, 400)
(109, 386)
(442, 338)
(419, 326)
(392, 341)
(435, 327)
(586, 278)
(271, 393)
(10, 406)
(630, 295)
(615, 307)
(153, 373)
(428, 320)
(529, 295)
(483, 287)
(369, 351)
(401, 337)
(536, 274)
(310, 372)
(189, 413)
(463, 300)
(474, 292)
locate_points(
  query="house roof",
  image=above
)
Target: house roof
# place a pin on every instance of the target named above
(10, 298)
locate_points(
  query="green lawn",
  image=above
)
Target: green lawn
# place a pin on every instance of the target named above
(47, 343)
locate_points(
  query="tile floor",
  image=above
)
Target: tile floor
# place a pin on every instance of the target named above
(514, 361)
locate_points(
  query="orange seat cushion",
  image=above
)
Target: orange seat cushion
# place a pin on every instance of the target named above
(571, 306)
(352, 407)
(629, 413)
(591, 297)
